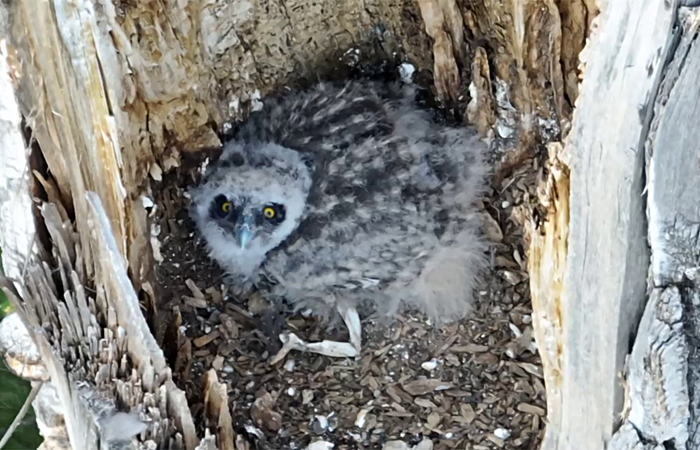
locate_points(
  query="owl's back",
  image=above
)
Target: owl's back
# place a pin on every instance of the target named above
(391, 207)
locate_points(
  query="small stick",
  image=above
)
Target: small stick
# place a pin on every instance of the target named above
(22, 412)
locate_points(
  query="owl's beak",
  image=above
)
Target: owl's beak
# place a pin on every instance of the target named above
(244, 235)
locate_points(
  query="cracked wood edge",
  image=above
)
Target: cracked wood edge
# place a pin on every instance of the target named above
(120, 294)
(547, 266)
(62, 92)
(606, 259)
(656, 385)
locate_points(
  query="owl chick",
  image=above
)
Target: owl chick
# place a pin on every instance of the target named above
(345, 194)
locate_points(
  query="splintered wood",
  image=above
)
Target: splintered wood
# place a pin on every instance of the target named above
(98, 344)
(549, 242)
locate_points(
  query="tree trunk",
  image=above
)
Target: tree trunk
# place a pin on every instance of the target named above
(619, 242)
(111, 94)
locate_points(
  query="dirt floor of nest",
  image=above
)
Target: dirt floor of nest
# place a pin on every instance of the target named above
(475, 384)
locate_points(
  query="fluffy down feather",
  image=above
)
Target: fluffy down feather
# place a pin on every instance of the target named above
(373, 203)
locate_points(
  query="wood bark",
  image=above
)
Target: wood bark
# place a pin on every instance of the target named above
(664, 375)
(620, 240)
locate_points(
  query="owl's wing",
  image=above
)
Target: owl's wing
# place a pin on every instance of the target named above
(325, 117)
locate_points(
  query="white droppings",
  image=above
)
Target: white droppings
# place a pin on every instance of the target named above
(204, 166)
(429, 365)
(252, 429)
(234, 106)
(147, 202)
(502, 433)
(504, 131)
(406, 70)
(516, 331)
(255, 103)
(291, 392)
(322, 422)
(361, 419)
(155, 243)
(320, 445)
(307, 396)
(289, 365)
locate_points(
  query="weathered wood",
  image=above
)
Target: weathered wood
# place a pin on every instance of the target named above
(656, 385)
(663, 375)
(216, 403)
(547, 267)
(605, 259)
(91, 363)
(18, 229)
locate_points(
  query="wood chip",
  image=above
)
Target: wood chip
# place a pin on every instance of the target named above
(532, 369)
(469, 348)
(215, 294)
(531, 409)
(496, 440)
(424, 386)
(434, 419)
(263, 414)
(196, 292)
(194, 301)
(218, 363)
(467, 412)
(206, 339)
(425, 403)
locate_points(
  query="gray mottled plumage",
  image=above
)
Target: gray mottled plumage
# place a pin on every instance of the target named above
(376, 200)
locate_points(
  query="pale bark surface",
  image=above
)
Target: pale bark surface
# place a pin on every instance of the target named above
(621, 240)
(663, 374)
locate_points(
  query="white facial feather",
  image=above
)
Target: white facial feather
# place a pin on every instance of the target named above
(271, 175)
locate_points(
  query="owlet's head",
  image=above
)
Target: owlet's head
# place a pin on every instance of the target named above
(250, 202)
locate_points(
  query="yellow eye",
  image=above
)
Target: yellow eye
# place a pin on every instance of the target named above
(226, 207)
(269, 213)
